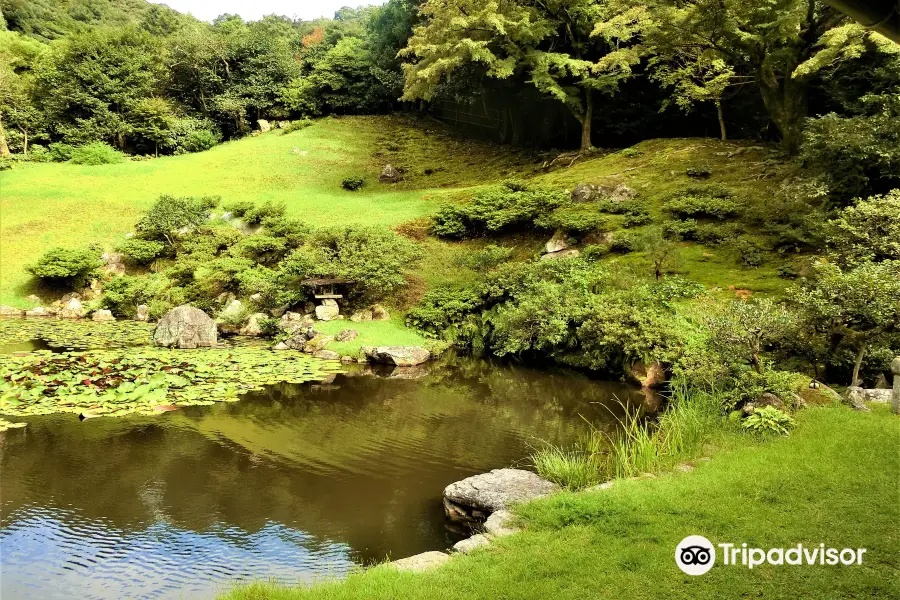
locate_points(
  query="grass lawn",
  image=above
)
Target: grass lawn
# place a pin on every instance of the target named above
(833, 481)
(371, 333)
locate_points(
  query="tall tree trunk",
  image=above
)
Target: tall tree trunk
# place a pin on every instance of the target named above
(787, 102)
(4, 147)
(25, 143)
(721, 121)
(586, 118)
(856, 367)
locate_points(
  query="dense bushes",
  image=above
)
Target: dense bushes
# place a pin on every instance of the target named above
(140, 252)
(171, 215)
(96, 153)
(66, 267)
(712, 203)
(502, 208)
(867, 231)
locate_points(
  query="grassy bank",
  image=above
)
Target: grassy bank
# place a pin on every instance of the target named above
(833, 481)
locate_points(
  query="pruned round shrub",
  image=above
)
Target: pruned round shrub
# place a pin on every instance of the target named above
(487, 258)
(700, 206)
(297, 125)
(263, 249)
(65, 266)
(61, 152)
(96, 153)
(136, 251)
(576, 219)
(260, 212)
(352, 184)
(170, 215)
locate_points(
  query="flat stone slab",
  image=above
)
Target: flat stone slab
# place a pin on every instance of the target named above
(467, 545)
(868, 395)
(476, 497)
(421, 562)
(401, 356)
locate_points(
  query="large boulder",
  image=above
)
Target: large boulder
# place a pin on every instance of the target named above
(476, 497)
(290, 322)
(421, 562)
(72, 309)
(102, 315)
(327, 311)
(38, 311)
(859, 394)
(113, 263)
(568, 253)
(401, 356)
(185, 327)
(317, 343)
(264, 125)
(361, 316)
(143, 313)
(390, 174)
(380, 313)
(347, 335)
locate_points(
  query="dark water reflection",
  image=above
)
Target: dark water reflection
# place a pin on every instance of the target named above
(294, 483)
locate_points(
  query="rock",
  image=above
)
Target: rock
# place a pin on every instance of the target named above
(10, 311)
(96, 288)
(347, 360)
(34, 299)
(65, 299)
(652, 376)
(584, 192)
(73, 309)
(254, 324)
(467, 545)
(113, 263)
(346, 335)
(858, 394)
(500, 524)
(476, 497)
(291, 322)
(421, 562)
(329, 302)
(380, 313)
(620, 193)
(232, 311)
(283, 124)
(264, 125)
(557, 242)
(281, 346)
(300, 337)
(402, 356)
(255, 297)
(318, 342)
(38, 311)
(360, 316)
(327, 355)
(143, 313)
(326, 313)
(185, 327)
(129, 235)
(570, 253)
(390, 175)
(102, 315)
(766, 399)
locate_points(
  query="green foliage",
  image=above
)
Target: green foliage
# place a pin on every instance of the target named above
(187, 134)
(96, 153)
(699, 171)
(297, 125)
(576, 219)
(867, 231)
(259, 280)
(293, 232)
(768, 420)
(68, 267)
(262, 249)
(501, 208)
(442, 308)
(61, 152)
(140, 252)
(170, 215)
(751, 254)
(690, 205)
(625, 242)
(261, 212)
(352, 184)
(122, 295)
(487, 258)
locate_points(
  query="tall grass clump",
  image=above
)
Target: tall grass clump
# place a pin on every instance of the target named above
(637, 445)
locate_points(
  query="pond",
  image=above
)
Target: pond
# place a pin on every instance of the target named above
(292, 483)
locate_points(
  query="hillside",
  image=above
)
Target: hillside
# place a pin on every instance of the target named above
(46, 205)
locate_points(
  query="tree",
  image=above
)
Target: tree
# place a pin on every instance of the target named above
(170, 215)
(867, 231)
(567, 49)
(663, 253)
(767, 41)
(857, 307)
(745, 328)
(88, 83)
(17, 109)
(154, 119)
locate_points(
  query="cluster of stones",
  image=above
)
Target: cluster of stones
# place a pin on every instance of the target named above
(69, 307)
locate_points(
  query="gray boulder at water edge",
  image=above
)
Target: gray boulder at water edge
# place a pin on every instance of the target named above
(476, 497)
(185, 327)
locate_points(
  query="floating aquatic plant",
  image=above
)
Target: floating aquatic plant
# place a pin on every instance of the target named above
(144, 381)
(76, 334)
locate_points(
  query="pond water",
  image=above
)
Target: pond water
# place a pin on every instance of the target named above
(294, 483)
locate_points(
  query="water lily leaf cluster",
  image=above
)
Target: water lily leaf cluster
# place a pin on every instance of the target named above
(76, 334)
(144, 381)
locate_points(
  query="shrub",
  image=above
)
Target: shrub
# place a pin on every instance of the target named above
(61, 152)
(751, 254)
(96, 153)
(239, 208)
(63, 266)
(623, 243)
(189, 135)
(5, 163)
(701, 171)
(507, 206)
(220, 275)
(593, 252)
(208, 241)
(297, 125)
(691, 205)
(268, 210)
(630, 152)
(39, 154)
(442, 308)
(576, 219)
(768, 420)
(170, 215)
(487, 258)
(122, 295)
(262, 281)
(867, 231)
(292, 231)
(262, 249)
(352, 184)
(140, 252)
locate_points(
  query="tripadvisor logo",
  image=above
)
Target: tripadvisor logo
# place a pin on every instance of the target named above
(696, 555)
